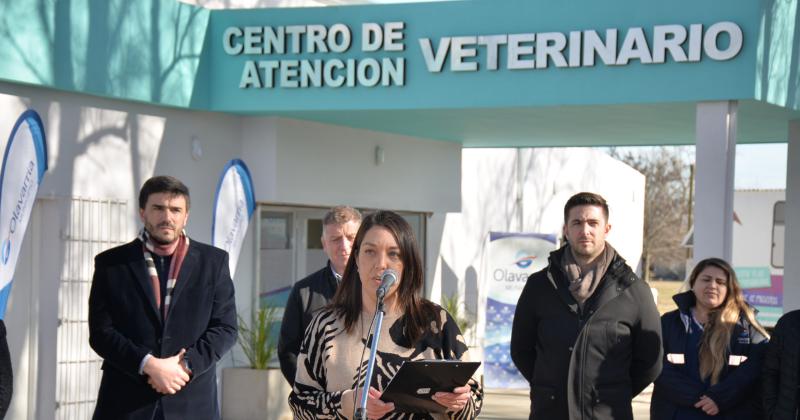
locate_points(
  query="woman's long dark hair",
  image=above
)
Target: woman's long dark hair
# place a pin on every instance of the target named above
(417, 312)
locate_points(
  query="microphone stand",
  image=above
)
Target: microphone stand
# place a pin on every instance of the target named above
(361, 411)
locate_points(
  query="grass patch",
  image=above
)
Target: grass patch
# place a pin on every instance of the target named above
(666, 289)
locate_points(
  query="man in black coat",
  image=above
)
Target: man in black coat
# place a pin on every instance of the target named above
(781, 370)
(161, 314)
(586, 332)
(339, 227)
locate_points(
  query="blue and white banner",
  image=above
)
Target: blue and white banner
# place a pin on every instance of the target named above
(234, 205)
(24, 165)
(512, 258)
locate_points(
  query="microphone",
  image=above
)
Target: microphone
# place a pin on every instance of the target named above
(388, 278)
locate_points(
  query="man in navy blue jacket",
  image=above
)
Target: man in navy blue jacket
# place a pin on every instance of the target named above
(161, 314)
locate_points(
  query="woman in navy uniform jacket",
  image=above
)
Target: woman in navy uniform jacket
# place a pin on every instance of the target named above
(713, 351)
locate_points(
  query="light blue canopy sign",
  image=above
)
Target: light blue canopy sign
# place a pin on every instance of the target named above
(482, 73)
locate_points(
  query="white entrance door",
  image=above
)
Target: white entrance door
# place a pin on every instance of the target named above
(290, 249)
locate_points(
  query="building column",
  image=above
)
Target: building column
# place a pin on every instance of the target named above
(715, 137)
(791, 256)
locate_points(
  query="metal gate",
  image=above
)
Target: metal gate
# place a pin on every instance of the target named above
(94, 226)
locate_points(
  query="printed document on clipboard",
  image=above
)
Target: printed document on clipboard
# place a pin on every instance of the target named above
(416, 381)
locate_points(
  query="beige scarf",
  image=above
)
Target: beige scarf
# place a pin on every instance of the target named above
(583, 283)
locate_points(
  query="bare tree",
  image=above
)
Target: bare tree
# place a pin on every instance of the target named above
(667, 207)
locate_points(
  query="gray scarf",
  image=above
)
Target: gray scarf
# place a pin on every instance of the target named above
(583, 283)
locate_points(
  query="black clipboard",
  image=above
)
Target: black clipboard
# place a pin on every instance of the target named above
(416, 381)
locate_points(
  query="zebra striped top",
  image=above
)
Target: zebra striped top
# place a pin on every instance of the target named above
(329, 358)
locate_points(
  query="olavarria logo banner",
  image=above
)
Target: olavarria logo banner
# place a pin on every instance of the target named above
(512, 257)
(24, 165)
(233, 206)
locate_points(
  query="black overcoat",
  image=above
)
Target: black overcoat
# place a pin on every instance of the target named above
(124, 326)
(781, 370)
(590, 363)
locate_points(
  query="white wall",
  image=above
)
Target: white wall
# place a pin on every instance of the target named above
(752, 235)
(101, 148)
(318, 164)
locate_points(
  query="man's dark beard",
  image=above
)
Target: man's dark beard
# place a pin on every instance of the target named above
(158, 240)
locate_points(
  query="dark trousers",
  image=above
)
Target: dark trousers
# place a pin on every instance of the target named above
(158, 413)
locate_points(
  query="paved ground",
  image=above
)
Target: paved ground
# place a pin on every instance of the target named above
(503, 404)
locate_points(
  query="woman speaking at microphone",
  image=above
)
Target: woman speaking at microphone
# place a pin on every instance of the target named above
(327, 385)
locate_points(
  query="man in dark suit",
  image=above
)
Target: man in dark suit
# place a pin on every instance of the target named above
(161, 313)
(339, 227)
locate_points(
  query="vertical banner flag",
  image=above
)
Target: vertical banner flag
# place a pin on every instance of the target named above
(234, 204)
(512, 258)
(24, 165)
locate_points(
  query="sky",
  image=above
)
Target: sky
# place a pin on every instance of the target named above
(758, 166)
(761, 166)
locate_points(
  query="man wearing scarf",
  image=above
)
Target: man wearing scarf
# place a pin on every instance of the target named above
(161, 314)
(586, 332)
